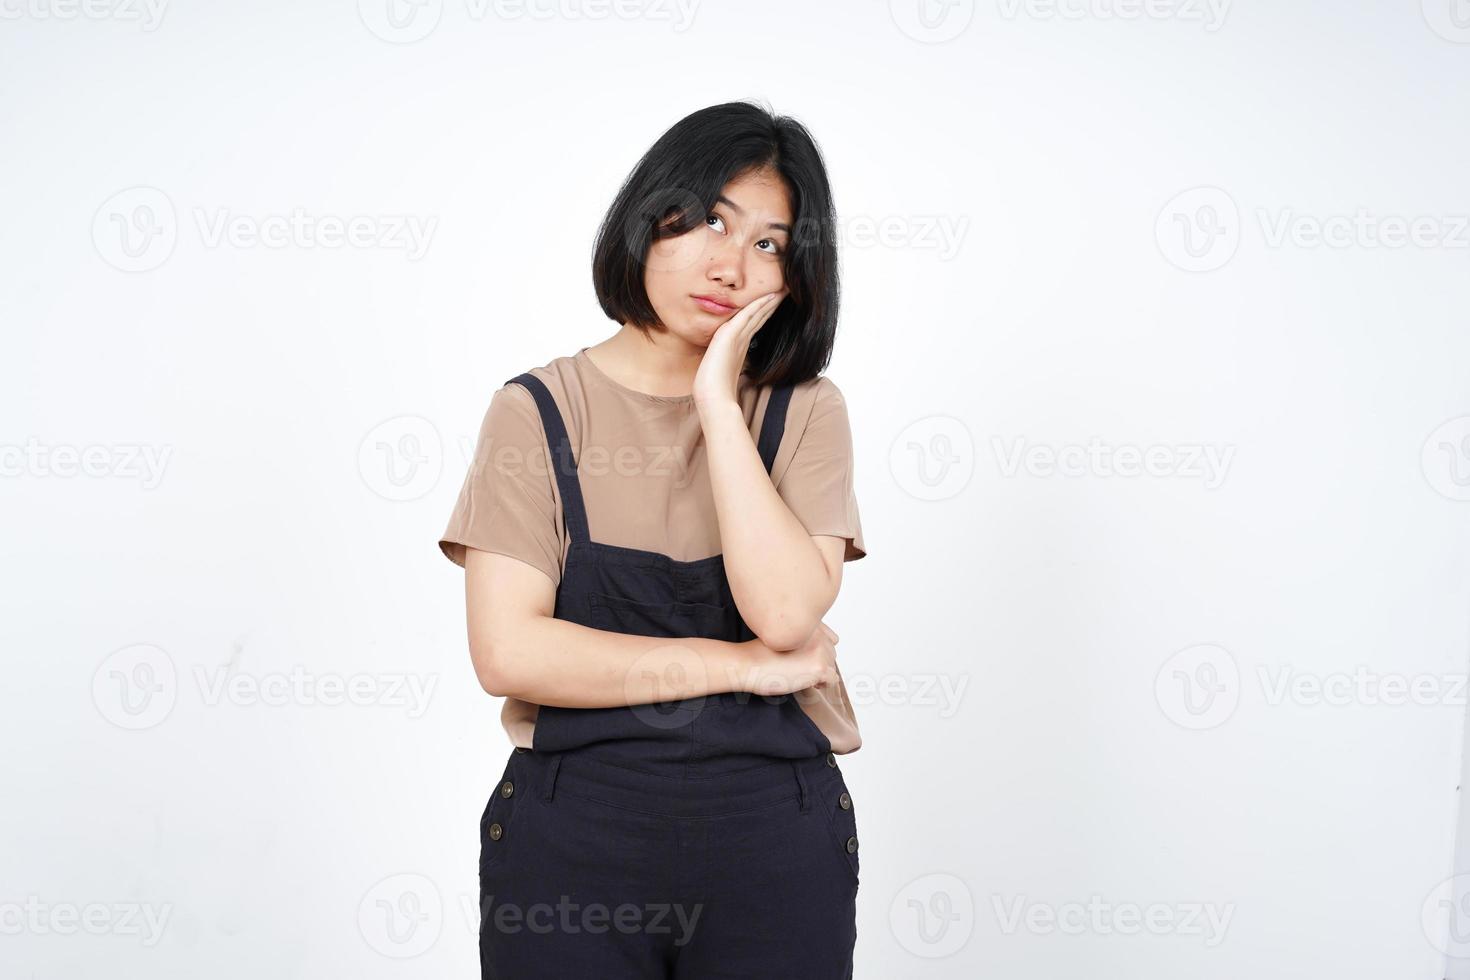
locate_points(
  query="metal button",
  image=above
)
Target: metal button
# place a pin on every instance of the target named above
(496, 831)
(507, 788)
(851, 844)
(844, 801)
(832, 759)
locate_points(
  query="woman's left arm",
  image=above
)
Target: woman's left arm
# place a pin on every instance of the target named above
(782, 578)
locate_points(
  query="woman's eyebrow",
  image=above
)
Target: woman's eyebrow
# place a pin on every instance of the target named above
(722, 199)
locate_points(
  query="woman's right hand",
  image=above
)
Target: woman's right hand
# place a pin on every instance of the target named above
(813, 664)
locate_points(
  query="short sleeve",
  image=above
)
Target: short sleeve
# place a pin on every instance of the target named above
(818, 483)
(507, 504)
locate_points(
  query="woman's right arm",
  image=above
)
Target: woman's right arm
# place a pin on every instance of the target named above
(520, 650)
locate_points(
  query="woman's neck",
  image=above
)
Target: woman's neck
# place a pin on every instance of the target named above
(657, 363)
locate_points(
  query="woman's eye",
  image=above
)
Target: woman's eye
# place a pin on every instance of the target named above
(720, 226)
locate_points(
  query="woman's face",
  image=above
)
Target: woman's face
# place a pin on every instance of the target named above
(732, 257)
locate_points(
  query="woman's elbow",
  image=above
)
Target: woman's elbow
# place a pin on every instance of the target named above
(491, 668)
(785, 633)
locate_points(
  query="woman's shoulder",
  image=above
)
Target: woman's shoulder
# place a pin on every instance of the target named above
(514, 412)
(815, 397)
(558, 376)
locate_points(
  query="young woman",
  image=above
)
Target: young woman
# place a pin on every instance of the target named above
(651, 532)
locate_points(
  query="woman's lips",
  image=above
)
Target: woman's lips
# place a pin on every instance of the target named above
(710, 306)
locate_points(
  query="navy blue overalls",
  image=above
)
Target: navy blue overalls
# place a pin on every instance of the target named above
(708, 837)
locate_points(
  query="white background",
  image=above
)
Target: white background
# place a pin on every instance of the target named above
(1099, 231)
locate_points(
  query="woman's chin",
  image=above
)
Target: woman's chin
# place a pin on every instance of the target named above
(698, 334)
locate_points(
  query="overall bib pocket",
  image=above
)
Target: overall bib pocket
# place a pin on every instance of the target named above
(671, 620)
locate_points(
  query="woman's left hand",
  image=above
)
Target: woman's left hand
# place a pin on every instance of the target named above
(717, 380)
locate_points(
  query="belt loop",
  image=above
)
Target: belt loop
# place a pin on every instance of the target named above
(802, 796)
(550, 780)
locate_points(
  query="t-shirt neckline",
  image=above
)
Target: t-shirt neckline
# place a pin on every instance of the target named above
(604, 378)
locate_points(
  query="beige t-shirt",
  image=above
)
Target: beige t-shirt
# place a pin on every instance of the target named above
(645, 484)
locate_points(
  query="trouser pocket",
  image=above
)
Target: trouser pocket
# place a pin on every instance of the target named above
(498, 821)
(836, 801)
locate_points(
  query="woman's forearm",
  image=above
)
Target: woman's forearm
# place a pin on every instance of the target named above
(556, 662)
(777, 576)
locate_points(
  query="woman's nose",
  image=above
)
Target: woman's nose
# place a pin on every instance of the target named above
(725, 264)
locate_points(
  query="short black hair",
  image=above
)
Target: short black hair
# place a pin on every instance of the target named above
(672, 190)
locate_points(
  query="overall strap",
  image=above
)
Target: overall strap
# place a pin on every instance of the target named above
(773, 426)
(563, 463)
